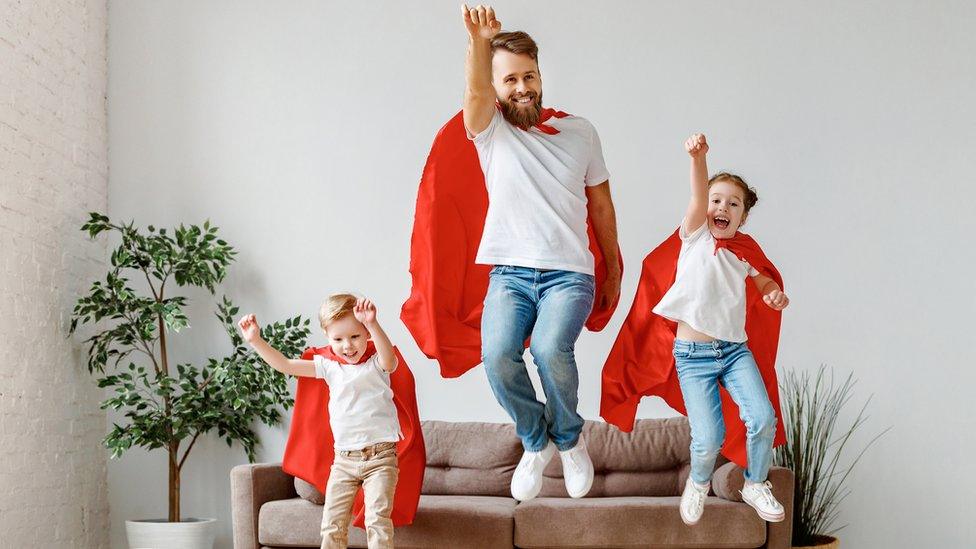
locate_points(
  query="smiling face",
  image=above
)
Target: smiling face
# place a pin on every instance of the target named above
(726, 209)
(347, 337)
(518, 87)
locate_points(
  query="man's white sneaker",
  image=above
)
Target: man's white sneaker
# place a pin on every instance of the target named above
(577, 469)
(527, 480)
(760, 496)
(693, 502)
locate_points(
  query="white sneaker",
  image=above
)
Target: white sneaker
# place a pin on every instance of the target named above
(760, 497)
(693, 502)
(527, 480)
(577, 469)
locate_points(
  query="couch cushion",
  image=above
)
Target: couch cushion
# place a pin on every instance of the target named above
(441, 521)
(306, 491)
(651, 460)
(470, 458)
(633, 522)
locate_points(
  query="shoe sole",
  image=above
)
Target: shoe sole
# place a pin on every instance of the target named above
(686, 521)
(582, 493)
(763, 515)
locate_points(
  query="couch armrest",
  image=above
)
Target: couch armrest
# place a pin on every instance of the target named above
(728, 480)
(251, 486)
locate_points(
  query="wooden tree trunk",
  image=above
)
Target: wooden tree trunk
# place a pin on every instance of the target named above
(174, 482)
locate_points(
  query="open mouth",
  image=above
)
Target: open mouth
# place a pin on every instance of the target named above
(527, 100)
(721, 222)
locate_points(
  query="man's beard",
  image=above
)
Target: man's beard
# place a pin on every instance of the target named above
(523, 117)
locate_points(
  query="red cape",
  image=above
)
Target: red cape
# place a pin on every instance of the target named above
(641, 362)
(310, 451)
(443, 312)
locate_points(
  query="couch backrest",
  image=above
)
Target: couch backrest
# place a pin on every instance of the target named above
(479, 459)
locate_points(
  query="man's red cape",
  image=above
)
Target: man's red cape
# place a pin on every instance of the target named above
(310, 451)
(443, 312)
(641, 362)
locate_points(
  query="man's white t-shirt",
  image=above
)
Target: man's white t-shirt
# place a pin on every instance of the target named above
(709, 290)
(537, 193)
(361, 409)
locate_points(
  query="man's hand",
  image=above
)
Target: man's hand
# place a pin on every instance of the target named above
(610, 290)
(249, 328)
(365, 312)
(480, 22)
(776, 300)
(696, 145)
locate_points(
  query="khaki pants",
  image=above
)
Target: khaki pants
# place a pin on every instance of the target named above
(375, 469)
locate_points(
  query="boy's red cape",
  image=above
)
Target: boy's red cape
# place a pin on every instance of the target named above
(310, 451)
(641, 362)
(443, 312)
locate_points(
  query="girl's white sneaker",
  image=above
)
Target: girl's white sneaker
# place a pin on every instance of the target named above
(759, 495)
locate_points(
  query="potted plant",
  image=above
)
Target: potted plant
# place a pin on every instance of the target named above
(168, 405)
(811, 406)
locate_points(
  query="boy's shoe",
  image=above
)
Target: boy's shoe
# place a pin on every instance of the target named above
(527, 480)
(577, 469)
(760, 496)
(693, 501)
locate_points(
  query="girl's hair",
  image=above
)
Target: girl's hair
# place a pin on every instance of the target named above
(335, 307)
(749, 193)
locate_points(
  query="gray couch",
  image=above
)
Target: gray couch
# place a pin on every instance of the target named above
(466, 501)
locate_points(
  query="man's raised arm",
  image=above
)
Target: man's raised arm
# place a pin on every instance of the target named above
(479, 95)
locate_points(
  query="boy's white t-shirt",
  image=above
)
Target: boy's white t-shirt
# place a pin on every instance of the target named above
(361, 409)
(537, 193)
(709, 290)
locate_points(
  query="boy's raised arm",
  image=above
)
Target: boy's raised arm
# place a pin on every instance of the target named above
(479, 95)
(252, 334)
(697, 147)
(365, 312)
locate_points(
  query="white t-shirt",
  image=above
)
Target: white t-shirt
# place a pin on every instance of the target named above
(709, 291)
(537, 193)
(361, 409)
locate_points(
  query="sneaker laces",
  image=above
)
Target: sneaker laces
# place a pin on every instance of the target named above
(697, 496)
(766, 494)
(576, 461)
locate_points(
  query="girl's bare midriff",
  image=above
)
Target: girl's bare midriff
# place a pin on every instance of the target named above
(687, 333)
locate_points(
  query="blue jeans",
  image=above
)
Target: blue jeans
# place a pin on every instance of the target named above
(701, 368)
(551, 307)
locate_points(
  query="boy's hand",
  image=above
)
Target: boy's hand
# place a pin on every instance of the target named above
(249, 328)
(365, 311)
(776, 300)
(696, 145)
(480, 22)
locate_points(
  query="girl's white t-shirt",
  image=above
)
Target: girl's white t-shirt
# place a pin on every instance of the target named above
(361, 409)
(709, 290)
(537, 193)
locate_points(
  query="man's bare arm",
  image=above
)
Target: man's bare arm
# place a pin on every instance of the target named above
(479, 95)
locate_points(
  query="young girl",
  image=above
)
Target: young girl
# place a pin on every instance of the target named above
(708, 302)
(362, 414)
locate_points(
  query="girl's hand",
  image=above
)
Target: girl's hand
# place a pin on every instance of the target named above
(776, 300)
(365, 311)
(480, 22)
(249, 328)
(696, 145)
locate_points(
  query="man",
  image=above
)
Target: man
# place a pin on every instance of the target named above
(545, 175)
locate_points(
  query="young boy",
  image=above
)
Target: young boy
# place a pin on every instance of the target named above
(362, 414)
(708, 302)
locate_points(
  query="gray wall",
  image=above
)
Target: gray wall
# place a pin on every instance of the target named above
(301, 129)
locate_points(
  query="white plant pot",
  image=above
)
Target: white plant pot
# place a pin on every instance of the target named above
(192, 533)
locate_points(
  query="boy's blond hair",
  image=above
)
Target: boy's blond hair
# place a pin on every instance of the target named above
(335, 307)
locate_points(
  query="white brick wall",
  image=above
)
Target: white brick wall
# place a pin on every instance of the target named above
(53, 169)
